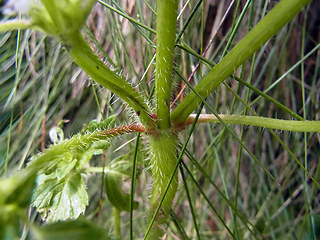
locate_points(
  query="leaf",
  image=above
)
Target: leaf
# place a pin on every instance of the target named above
(79, 229)
(74, 147)
(60, 199)
(15, 197)
(61, 193)
(17, 189)
(113, 181)
(94, 125)
(9, 231)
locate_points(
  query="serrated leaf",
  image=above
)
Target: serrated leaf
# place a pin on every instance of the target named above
(60, 193)
(87, 142)
(79, 229)
(61, 199)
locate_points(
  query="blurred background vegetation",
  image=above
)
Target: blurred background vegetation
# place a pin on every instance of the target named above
(40, 86)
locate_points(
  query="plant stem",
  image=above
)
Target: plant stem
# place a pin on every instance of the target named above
(117, 226)
(282, 13)
(279, 124)
(163, 161)
(82, 54)
(133, 182)
(166, 33)
(163, 145)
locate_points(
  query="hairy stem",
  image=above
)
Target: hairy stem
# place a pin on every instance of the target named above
(82, 54)
(163, 160)
(279, 124)
(163, 144)
(166, 33)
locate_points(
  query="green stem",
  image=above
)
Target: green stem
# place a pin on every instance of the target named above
(117, 226)
(133, 182)
(279, 124)
(163, 145)
(166, 33)
(282, 13)
(163, 161)
(82, 55)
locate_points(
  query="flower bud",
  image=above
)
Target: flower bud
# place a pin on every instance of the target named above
(54, 17)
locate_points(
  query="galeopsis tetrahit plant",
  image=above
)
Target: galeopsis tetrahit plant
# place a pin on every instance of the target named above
(58, 168)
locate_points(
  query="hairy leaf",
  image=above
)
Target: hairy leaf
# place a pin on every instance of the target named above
(94, 125)
(61, 193)
(60, 198)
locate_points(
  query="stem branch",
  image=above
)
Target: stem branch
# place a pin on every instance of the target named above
(82, 54)
(279, 124)
(281, 14)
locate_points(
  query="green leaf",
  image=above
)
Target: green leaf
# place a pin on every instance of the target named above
(79, 229)
(94, 125)
(17, 189)
(9, 231)
(60, 198)
(87, 142)
(61, 193)
(113, 181)
(15, 197)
